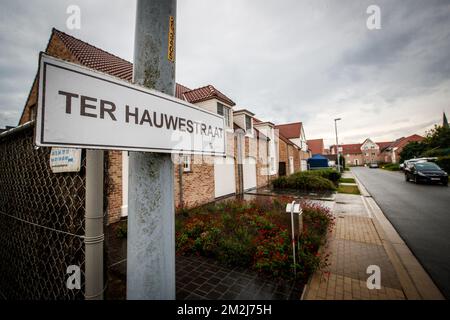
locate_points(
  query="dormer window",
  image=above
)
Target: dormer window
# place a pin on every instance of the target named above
(248, 123)
(225, 112)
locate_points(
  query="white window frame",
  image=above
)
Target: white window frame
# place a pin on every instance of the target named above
(186, 161)
(226, 113)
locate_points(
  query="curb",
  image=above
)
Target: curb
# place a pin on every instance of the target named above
(415, 281)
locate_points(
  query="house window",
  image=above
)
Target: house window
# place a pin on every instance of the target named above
(186, 163)
(248, 123)
(373, 153)
(225, 112)
(291, 164)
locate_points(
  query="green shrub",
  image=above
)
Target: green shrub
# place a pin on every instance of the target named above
(329, 174)
(444, 163)
(306, 181)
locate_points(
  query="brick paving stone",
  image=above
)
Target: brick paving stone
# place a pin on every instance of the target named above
(353, 245)
(199, 278)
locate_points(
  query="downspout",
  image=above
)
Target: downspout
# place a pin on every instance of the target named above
(180, 180)
(94, 235)
(240, 135)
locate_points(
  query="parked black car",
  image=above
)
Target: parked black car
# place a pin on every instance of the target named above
(426, 172)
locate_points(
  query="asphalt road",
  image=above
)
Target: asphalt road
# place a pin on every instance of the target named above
(420, 214)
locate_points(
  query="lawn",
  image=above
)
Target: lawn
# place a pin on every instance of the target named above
(348, 189)
(255, 235)
(391, 167)
(347, 180)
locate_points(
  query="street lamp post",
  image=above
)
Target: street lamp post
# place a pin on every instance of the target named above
(337, 144)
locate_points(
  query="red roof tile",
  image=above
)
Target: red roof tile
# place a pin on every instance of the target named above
(316, 146)
(354, 148)
(290, 130)
(206, 93)
(383, 145)
(98, 59)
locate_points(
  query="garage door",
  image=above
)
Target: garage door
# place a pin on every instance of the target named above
(224, 181)
(249, 168)
(304, 165)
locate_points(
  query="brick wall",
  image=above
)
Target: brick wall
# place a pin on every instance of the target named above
(113, 177)
(198, 184)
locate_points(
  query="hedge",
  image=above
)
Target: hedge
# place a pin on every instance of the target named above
(444, 163)
(305, 181)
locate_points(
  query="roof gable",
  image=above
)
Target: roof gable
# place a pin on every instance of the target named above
(290, 130)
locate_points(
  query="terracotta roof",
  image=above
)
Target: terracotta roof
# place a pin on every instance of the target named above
(95, 58)
(180, 90)
(290, 130)
(401, 142)
(316, 146)
(206, 93)
(98, 59)
(383, 145)
(354, 148)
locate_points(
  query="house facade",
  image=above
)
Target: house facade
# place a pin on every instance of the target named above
(254, 149)
(369, 151)
(295, 134)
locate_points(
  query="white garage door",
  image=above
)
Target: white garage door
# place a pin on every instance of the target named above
(224, 181)
(249, 168)
(304, 165)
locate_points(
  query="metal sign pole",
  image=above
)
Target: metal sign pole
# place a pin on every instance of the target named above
(293, 236)
(151, 218)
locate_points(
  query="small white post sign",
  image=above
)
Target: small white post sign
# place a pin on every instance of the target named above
(81, 108)
(65, 160)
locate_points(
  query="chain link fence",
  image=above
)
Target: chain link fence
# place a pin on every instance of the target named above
(42, 221)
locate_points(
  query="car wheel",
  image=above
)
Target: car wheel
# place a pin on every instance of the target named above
(415, 179)
(445, 184)
(406, 177)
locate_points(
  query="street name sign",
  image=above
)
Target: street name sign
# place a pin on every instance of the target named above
(83, 108)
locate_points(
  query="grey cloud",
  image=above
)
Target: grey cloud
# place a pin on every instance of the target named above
(305, 61)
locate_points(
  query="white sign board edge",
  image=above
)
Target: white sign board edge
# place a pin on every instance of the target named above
(45, 61)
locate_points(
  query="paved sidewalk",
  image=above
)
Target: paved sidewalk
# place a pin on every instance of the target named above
(353, 245)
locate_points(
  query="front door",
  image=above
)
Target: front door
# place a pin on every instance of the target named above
(282, 169)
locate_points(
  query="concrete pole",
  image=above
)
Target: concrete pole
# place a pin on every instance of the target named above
(151, 217)
(94, 235)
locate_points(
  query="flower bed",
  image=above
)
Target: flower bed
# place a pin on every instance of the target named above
(254, 235)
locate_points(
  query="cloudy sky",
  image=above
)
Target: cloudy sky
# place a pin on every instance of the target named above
(286, 61)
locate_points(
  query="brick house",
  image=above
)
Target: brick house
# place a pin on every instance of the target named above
(295, 134)
(197, 179)
(391, 153)
(316, 146)
(364, 153)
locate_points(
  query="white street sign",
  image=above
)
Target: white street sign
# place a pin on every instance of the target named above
(82, 108)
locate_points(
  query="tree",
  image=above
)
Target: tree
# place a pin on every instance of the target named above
(412, 150)
(436, 143)
(438, 137)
